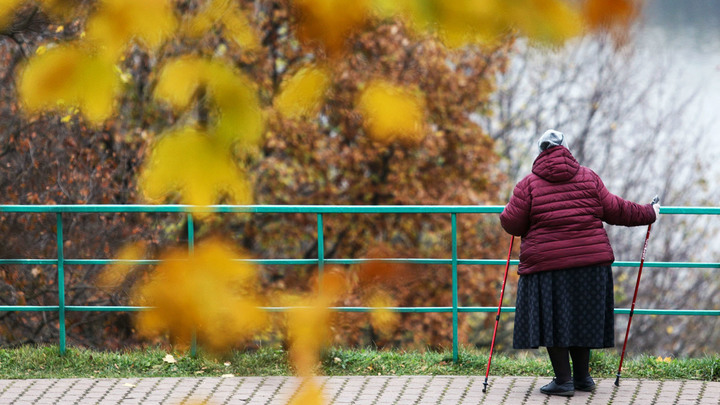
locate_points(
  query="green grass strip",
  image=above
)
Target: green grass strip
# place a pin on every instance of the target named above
(46, 362)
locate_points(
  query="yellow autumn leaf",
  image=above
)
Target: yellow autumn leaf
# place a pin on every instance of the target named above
(117, 23)
(601, 14)
(669, 330)
(206, 19)
(461, 22)
(115, 274)
(302, 94)
(391, 112)
(309, 393)
(179, 79)
(467, 21)
(308, 322)
(169, 359)
(186, 161)
(382, 319)
(547, 21)
(209, 292)
(307, 332)
(329, 23)
(238, 28)
(59, 77)
(456, 23)
(237, 117)
(226, 14)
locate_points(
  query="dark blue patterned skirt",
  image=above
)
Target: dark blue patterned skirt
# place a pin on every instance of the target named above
(565, 308)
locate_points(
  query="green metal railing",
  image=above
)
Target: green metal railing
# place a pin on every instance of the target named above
(321, 261)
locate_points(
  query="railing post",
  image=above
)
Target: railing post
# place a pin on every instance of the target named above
(454, 288)
(191, 253)
(320, 248)
(61, 283)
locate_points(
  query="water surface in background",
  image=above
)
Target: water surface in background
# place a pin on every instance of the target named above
(685, 34)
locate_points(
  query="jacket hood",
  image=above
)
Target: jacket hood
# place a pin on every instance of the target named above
(556, 165)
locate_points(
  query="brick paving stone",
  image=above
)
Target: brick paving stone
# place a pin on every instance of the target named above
(409, 390)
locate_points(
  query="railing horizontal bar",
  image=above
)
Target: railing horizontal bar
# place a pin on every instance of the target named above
(50, 262)
(691, 210)
(687, 265)
(269, 262)
(358, 209)
(80, 308)
(338, 209)
(389, 260)
(368, 309)
(104, 262)
(28, 308)
(695, 312)
(101, 308)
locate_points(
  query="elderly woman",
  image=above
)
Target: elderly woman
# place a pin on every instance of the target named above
(565, 290)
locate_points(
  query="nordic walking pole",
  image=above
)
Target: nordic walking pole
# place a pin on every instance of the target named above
(632, 307)
(497, 317)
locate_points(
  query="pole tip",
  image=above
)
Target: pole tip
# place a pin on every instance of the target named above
(485, 384)
(617, 381)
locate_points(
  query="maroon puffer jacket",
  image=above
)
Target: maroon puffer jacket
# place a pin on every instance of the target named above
(559, 210)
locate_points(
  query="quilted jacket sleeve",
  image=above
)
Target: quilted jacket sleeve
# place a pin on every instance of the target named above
(617, 211)
(515, 218)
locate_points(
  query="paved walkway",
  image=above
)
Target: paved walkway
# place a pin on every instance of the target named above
(347, 390)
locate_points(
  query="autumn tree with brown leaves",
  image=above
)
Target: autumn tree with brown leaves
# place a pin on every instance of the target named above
(269, 102)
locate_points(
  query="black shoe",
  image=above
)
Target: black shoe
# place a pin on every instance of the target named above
(586, 384)
(566, 389)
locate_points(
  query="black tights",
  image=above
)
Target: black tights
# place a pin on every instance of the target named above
(560, 359)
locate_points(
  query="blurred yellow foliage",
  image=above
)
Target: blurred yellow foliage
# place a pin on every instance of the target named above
(391, 112)
(208, 292)
(7, 7)
(226, 14)
(239, 117)
(605, 13)
(59, 78)
(547, 21)
(60, 8)
(308, 323)
(303, 93)
(309, 393)
(614, 16)
(460, 22)
(114, 275)
(329, 23)
(118, 22)
(188, 162)
(237, 26)
(179, 79)
(210, 14)
(307, 331)
(382, 319)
